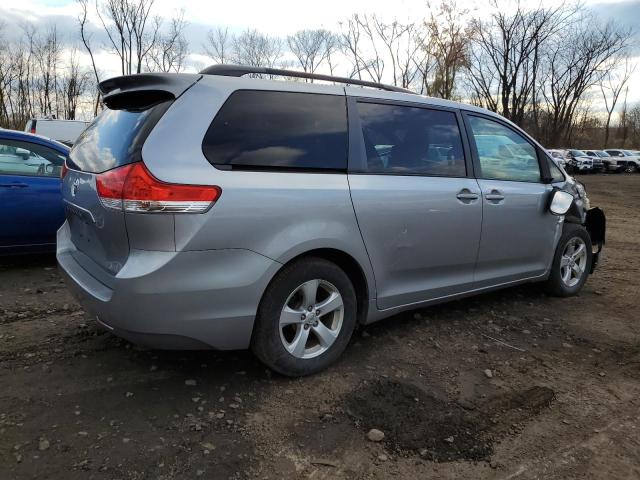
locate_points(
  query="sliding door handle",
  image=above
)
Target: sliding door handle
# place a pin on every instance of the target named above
(494, 196)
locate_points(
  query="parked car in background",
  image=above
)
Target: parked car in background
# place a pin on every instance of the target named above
(578, 161)
(64, 131)
(215, 211)
(609, 163)
(598, 165)
(558, 156)
(626, 159)
(31, 207)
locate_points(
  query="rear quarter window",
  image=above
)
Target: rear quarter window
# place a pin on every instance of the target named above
(279, 130)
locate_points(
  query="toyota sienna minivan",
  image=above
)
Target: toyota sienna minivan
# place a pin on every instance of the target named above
(216, 211)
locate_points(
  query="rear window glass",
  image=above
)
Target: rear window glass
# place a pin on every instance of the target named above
(279, 130)
(114, 138)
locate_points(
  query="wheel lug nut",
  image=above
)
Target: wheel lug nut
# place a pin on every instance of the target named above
(310, 308)
(303, 316)
(317, 312)
(306, 326)
(315, 324)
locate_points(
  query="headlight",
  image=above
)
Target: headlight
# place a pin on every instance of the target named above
(582, 193)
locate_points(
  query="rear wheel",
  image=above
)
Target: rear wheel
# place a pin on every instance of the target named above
(306, 318)
(572, 262)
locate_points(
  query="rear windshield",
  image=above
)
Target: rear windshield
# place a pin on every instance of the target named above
(279, 130)
(114, 138)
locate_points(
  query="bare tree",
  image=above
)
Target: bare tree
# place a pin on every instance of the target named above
(311, 48)
(577, 61)
(86, 41)
(447, 44)
(47, 50)
(361, 45)
(611, 86)
(219, 44)
(351, 45)
(73, 85)
(623, 122)
(374, 65)
(633, 125)
(505, 55)
(391, 35)
(131, 31)
(170, 51)
(404, 44)
(256, 49)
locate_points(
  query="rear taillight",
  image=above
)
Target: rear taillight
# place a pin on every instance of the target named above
(132, 188)
(33, 130)
(64, 170)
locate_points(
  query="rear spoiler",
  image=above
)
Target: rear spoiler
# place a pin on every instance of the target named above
(145, 89)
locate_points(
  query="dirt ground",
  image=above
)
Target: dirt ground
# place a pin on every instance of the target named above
(560, 398)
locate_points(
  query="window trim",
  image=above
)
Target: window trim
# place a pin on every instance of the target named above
(357, 149)
(551, 180)
(545, 174)
(274, 168)
(26, 142)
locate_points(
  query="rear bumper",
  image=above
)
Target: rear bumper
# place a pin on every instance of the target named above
(173, 300)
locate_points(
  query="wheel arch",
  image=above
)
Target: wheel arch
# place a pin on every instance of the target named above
(351, 267)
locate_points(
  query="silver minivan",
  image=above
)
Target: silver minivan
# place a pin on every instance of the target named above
(216, 211)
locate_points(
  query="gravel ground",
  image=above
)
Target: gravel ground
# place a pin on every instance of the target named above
(560, 398)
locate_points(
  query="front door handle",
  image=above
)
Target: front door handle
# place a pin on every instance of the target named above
(494, 196)
(467, 196)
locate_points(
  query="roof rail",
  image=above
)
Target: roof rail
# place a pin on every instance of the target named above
(240, 70)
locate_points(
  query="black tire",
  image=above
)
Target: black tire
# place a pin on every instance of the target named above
(630, 168)
(266, 342)
(555, 285)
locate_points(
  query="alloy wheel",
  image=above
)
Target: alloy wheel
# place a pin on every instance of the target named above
(311, 319)
(573, 262)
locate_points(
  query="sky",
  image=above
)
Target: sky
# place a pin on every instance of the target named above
(275, 17)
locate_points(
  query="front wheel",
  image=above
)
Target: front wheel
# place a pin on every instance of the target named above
(630, 168)
(571, 263)
(306, 318)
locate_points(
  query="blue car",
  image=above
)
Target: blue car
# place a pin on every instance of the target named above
(31, 208)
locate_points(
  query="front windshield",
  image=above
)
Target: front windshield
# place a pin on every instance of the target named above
(626, 153)
(578, 153)
(603, 154)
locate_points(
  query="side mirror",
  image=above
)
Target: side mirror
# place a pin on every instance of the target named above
(23, 152)
(560, 202)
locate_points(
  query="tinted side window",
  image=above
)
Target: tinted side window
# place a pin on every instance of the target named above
(504, 154)
(32, 159)
(283, 130)
(411, 140)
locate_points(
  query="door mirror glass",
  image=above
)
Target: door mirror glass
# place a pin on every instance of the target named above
(560, 202)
